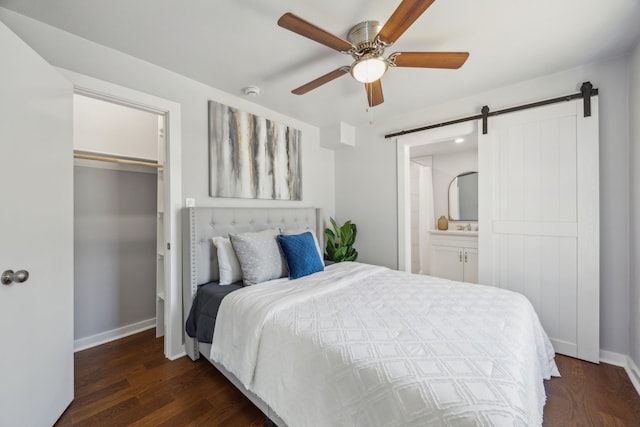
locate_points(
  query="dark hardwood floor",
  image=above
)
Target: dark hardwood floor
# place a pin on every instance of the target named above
(130, 382)
(590, 395)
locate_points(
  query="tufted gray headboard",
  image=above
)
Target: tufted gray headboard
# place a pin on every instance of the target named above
(199, 257)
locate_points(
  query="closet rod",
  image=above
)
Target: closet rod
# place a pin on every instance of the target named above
(113, 159)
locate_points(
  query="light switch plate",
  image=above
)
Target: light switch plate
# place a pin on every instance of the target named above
(190, 202)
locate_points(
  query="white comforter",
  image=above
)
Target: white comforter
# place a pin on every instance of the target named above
(360, 345)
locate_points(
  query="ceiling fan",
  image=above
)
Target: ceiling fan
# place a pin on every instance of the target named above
(366, 43)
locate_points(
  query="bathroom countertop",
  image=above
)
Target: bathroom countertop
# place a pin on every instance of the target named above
(455, 232)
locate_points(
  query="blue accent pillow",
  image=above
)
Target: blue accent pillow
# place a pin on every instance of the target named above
(301, 254)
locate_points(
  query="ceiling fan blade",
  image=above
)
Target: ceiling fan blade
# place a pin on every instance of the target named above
(402, 18)
(298, 25)
(320, 81)
(429, 59)
(374, 93)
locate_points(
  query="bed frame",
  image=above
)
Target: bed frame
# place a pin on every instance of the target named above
(199, 261)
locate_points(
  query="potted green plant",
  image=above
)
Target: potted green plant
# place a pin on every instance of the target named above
(340, 242)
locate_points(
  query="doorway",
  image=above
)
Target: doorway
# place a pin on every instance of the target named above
(169, 313)
(415, 153)
(117, 220)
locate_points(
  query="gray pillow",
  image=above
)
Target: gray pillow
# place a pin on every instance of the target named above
(259, 256)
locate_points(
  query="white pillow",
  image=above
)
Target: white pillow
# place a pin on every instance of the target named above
(228, 263)
(304, 230)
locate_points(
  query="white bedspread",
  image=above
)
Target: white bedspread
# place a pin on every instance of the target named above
(359, 345)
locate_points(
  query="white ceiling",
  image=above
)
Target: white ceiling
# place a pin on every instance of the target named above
(448, 146)
(236, 43)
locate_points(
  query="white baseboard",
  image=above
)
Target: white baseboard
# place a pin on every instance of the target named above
(612, 358)
(624, 361)
(633, 372)
(105, 337)
(177, 356)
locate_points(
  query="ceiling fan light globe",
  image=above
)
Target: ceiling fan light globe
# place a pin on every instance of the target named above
(368, 69)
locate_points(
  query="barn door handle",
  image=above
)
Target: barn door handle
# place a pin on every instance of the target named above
(8, 276)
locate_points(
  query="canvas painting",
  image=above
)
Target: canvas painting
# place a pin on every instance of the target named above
(252, 157)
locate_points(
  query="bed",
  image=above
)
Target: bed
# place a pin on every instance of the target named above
(362, 345)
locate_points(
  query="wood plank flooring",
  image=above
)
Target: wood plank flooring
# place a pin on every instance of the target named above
(130, 382)
(588, 394)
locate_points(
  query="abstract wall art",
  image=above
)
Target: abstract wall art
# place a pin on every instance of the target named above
(252, 157)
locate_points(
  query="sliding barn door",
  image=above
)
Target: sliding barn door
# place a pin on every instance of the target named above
(539, 221)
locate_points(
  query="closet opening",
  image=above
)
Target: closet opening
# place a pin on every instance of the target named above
(119, 232)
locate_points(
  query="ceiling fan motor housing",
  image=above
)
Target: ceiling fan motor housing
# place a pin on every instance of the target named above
(363, 37)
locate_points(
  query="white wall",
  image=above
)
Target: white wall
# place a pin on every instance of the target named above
(366, 194)
(367, 175)
(135, 135)
(634, 103)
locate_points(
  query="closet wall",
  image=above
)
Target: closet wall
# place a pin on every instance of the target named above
(114, 222)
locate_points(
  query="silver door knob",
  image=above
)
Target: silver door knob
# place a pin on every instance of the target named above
(8, 276)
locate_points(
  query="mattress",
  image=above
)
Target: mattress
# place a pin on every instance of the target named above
(362, 345)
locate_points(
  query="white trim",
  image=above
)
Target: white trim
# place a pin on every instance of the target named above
(177, 356)
(625, 362)
(404, 213)
(112, 335)
(613, 358)
(633, 372)
(588, 215)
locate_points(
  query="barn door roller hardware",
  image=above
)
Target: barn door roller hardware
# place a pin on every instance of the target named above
(586, 92)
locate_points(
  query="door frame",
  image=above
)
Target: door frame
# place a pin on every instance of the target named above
(403, 168)
(110, 92)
